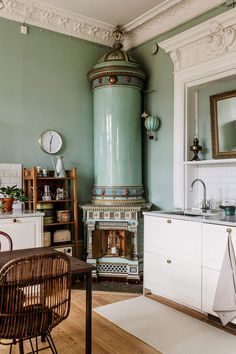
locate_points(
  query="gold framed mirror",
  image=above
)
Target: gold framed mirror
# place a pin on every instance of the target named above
(223, 124)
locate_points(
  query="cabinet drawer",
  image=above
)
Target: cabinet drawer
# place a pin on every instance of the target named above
(177, 239)
(24, 232)
(172, 279)
(214, 242)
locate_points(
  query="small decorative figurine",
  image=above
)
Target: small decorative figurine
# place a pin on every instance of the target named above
(195, 148)
(151, 124)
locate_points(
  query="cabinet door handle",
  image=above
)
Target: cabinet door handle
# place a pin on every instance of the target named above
(169, 221)
(14, 220)
(229, 230)
(168, 261)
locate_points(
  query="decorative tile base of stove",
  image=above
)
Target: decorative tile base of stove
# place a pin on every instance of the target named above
(114, 237)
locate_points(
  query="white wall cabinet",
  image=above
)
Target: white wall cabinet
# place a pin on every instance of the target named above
(25, 232)
(172, 259)
(183, 259)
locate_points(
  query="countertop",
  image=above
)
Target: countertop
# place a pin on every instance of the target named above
(20, 214)
(213, 218)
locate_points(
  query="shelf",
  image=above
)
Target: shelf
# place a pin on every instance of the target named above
(61, 244)
(59, 223)
(33, 182)
(211, 162)
(51, 201)
(52, 178)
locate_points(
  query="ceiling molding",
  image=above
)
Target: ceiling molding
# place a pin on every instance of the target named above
(166, 18)
(157, 10)
(162, 18)
(213, 39)
(40, 14)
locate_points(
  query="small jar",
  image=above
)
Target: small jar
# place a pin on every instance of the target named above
(45, 172)
(39, 171)
(63, 215)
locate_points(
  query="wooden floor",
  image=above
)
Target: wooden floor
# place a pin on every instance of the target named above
(69, 336)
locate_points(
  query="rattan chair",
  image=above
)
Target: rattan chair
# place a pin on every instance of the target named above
(35, 294)
(5, 235)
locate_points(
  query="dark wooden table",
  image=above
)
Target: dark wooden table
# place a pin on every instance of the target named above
(78, 267)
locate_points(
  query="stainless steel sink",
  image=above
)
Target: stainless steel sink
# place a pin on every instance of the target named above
(189, 213)
(193, 213)
(177, 212)
(181, 213)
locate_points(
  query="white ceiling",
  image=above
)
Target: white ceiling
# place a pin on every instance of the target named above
(113, 12)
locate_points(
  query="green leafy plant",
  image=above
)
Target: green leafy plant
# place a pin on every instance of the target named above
(13, 192)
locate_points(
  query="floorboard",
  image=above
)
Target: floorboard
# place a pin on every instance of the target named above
(69, 336)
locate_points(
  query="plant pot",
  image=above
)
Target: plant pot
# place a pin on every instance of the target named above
(7, 204)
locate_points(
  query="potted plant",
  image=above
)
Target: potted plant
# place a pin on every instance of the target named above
(11, 194)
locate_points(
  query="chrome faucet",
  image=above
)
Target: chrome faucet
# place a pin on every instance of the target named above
(205, 204)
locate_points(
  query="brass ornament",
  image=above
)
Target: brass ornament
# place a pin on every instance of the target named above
(195, 148)
(117, 35)
(113, 79)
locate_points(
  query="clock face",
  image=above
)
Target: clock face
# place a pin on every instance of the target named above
(50, 141)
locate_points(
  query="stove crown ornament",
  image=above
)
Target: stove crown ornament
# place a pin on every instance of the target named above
(117, 35)
(117, 53)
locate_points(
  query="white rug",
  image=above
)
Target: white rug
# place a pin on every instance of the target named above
(166, 329)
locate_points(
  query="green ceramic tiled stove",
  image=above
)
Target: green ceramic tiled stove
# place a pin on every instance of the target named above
(114, 218)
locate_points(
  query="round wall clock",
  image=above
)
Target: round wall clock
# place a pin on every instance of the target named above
(50, 141)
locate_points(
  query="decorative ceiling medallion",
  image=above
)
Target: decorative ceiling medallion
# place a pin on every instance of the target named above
(161, 19)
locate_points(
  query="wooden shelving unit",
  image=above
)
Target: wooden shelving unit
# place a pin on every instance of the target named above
(34, 189)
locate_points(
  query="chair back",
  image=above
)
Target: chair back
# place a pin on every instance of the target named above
(35, 293)
(5, 235)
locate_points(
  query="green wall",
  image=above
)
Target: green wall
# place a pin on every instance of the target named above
(158, 155)
(44, 85)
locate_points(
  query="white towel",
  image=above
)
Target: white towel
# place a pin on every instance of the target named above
(225, 296)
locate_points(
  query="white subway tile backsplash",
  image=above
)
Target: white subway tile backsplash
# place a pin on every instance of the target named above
(5, 181)
(5, 166)
(11, 174)
(220, 182)
(15, 180)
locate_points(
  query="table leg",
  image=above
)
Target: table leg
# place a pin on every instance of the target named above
(21, 347)
(88, 285)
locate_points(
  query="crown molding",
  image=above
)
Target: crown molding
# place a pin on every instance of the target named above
(162, 18)
(165, 17)
(157, 10)
(53, 18)
(212, 39)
